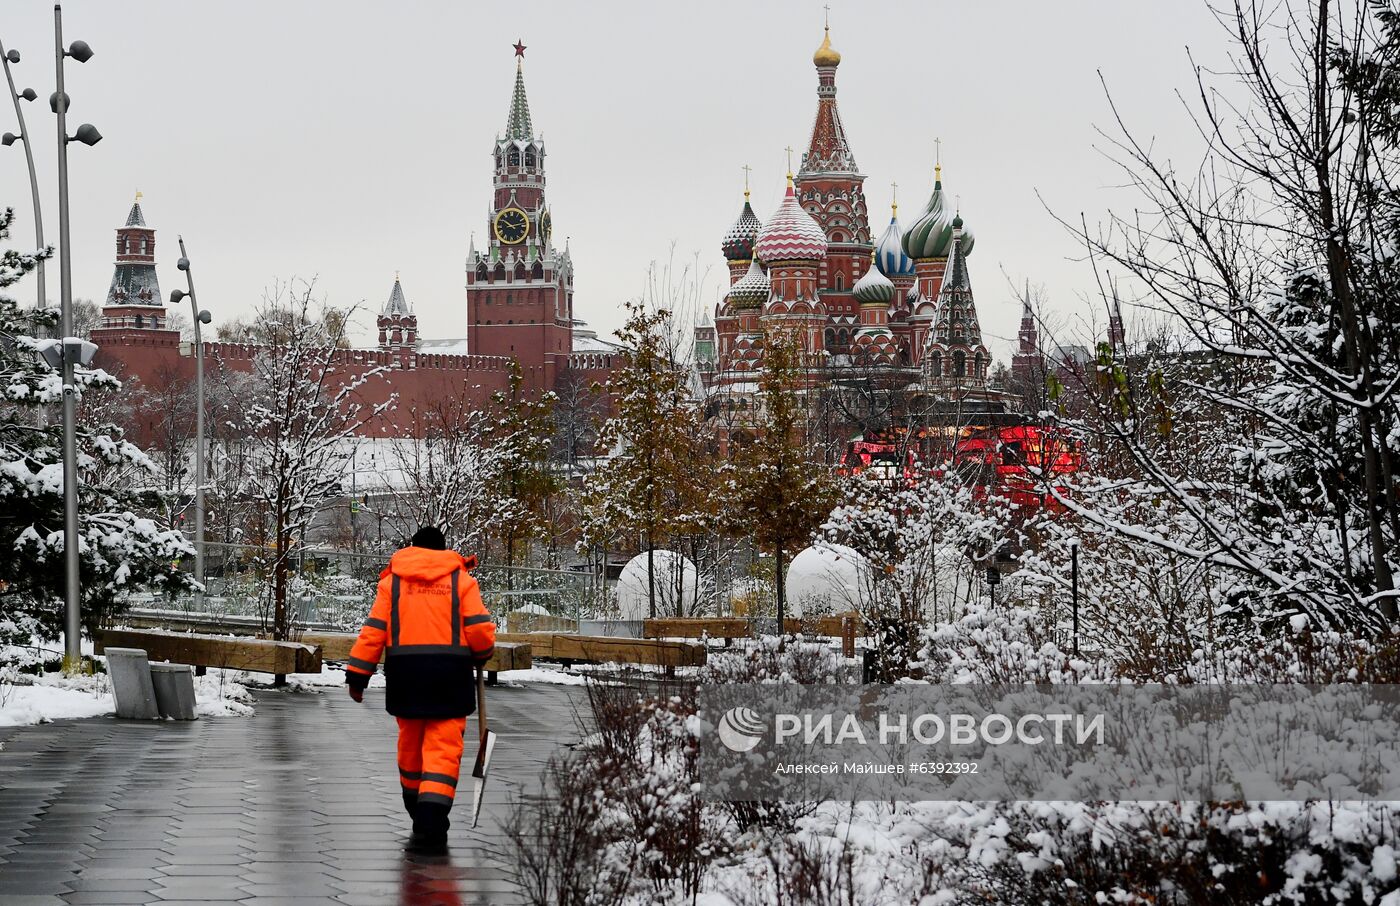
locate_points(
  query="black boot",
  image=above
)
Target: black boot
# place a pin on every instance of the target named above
(430, 825)
(410, 802)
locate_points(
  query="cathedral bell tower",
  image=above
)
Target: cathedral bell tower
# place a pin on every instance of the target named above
(520, 289)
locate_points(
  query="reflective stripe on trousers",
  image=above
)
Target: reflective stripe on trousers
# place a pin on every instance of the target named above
(430, 756)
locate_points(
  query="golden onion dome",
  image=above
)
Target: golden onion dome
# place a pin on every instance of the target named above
(826, 55)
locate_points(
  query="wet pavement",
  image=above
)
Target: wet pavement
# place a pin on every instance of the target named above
(298, 804)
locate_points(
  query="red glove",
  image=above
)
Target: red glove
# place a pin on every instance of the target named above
(357, 694)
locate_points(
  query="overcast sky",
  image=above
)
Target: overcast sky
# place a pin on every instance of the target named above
(349, 140)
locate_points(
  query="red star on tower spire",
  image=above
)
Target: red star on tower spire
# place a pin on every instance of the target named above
(519, 48)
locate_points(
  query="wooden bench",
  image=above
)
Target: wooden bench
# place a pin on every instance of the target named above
(569, 648)
(224, 652)
(844, 626)
(742, 628)
(335, 646)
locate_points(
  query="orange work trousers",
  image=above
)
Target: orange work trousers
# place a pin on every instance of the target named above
(430, 756)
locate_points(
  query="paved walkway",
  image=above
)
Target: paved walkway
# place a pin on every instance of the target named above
(298, 804)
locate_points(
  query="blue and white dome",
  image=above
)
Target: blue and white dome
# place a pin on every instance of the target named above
(890, 257)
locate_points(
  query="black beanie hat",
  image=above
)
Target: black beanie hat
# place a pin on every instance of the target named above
(430, 537)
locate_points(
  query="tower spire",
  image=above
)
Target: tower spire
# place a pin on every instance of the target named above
(518, 125)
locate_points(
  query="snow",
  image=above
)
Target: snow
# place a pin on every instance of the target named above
(26, 700)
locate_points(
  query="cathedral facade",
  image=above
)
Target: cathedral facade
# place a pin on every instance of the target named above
(900, 304)
(519, 306)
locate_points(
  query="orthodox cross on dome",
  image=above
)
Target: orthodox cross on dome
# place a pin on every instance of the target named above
(519, 48)
(937, 159)
(827, 16)
(747, 168)
(894, 199)
(788, 149)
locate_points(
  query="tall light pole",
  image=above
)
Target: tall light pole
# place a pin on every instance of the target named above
(88, 135)
(200, 317)
(28, 94)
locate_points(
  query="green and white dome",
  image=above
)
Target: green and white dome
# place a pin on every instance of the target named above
(931, 236)
(873, 287)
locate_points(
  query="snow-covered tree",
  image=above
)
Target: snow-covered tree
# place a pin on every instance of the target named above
(652, 484)
(449, 473)
(122, 548)
(1266, 449)
(923, 548)
(522, 478)
(779, 490)
(297, 417)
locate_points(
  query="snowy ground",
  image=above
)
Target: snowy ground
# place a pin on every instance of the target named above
(26, 699)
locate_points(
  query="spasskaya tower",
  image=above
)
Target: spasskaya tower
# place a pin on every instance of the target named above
(520, 288)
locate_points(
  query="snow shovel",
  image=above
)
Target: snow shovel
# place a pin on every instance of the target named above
(483, 754)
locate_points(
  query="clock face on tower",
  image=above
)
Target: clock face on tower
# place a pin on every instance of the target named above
(511, 226)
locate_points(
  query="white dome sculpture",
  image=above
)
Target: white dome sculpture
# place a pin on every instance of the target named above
(536, 609)
(825, 578)
(670, 568)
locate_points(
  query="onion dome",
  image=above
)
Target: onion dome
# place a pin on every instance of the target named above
(826, 55)
(889, 252)
(873, 287)
(965, 239)
(752, 289)
(790, 234)
(738, 242)
(932, 233)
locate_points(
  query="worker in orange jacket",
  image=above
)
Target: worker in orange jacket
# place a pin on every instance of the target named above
(429, 623)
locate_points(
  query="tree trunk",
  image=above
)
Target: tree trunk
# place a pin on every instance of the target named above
(651, 578)
(778, 581)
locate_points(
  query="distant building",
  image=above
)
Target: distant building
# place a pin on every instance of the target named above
(519, 305)
(900, 306)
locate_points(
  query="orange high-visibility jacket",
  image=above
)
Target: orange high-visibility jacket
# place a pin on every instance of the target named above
(429, 623)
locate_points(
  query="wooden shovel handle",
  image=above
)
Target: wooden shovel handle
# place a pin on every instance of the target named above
(481, 703)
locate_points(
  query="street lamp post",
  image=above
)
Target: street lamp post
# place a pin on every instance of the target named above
(88, 135)
(28, 94)
(200, 317)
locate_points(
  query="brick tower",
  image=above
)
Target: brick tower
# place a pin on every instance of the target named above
(133, 299)
(520, 290)
(398, 325)
(829, 187)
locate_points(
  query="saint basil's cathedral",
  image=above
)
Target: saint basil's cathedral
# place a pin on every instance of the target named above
(900, 304)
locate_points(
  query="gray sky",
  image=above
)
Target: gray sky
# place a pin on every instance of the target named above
(348, 140)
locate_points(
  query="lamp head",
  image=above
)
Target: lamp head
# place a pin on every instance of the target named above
(81, 351)
(29, 94)
(12, 55)
(183, 264)
(51, 351)
(80, 51)
(87, 134)
(205, 317)
(8, 139)
(54, 100)
(177, 296)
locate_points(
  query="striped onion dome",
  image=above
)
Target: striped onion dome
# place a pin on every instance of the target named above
(873, 287)
(750, 290)
(932, 234)
(889, 253)
(790, 234)
(738, 242)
